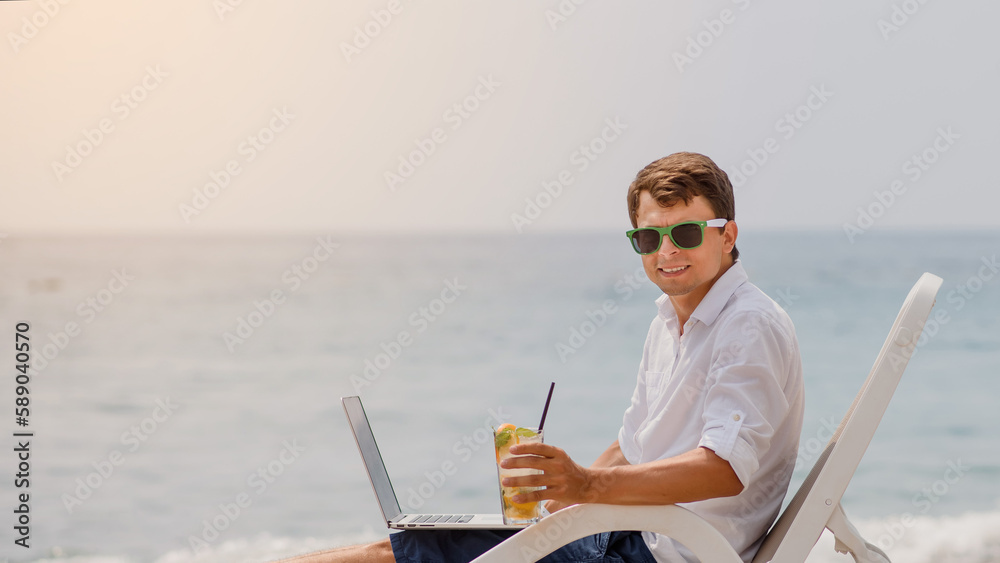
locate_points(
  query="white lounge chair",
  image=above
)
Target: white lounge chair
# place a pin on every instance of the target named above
(815, 507)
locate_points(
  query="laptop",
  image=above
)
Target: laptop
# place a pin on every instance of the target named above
(394, 517)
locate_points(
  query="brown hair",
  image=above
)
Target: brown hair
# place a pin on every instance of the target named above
(681, 177)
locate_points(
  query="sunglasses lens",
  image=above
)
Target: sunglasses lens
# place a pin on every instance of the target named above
(645, 241)
(687, 235)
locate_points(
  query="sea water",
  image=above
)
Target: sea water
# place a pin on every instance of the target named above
(193, 412)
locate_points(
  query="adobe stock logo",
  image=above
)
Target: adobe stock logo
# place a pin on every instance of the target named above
(31, 26)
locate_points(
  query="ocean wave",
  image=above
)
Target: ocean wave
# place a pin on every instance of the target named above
(265, 548)
(972, 537)
(258, 549)
(968, 538)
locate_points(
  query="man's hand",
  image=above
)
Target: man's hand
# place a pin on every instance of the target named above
(565, 481)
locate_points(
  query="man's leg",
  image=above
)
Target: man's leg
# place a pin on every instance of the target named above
(444, 546)
(451, 545)
(378, 552)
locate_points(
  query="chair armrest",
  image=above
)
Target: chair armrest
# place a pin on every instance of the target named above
(582, 520)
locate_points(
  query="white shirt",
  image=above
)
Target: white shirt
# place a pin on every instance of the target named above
(732, 383)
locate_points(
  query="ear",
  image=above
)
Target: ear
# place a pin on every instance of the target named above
(729, 233)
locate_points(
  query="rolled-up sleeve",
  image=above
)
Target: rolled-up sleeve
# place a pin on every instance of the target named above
(745, 400)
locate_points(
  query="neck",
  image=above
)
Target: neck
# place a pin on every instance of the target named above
(685, 304)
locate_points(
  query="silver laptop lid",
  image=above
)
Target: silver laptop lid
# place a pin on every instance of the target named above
(373, 459)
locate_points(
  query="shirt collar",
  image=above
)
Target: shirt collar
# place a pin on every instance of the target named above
(713, 302)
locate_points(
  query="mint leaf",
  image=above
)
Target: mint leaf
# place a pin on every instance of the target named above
(502, 438)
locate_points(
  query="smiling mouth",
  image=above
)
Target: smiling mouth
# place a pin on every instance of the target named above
(674, 270)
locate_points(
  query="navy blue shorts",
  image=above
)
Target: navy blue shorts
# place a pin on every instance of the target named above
(462, 546)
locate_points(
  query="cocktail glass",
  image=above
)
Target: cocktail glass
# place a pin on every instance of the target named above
(505, 437)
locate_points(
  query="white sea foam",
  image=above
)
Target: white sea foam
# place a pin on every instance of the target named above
(969, 538)
(258, 549)
(86, 559)
(268, 548)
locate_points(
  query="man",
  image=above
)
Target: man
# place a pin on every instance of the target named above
(717, 410)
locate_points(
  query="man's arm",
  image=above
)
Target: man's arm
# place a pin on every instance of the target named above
(696, 475)
(611, 457)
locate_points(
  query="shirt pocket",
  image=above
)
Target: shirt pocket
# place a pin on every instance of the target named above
(656, 384)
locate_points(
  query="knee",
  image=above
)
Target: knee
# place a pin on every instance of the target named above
(381, 551)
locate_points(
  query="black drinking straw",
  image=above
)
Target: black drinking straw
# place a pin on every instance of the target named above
(545, 411)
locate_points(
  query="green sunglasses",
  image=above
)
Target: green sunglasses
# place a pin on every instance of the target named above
(686, 235)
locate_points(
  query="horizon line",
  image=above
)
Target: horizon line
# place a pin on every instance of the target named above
(6, 235)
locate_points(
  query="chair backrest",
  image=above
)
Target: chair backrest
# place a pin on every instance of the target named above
(795, 533)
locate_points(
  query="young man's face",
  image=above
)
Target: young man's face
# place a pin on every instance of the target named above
(698, 267)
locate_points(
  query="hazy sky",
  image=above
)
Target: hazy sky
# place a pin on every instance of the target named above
(313, 105)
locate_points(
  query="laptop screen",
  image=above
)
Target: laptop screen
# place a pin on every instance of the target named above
(372, 458)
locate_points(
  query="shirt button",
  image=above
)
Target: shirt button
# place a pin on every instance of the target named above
(736, 417)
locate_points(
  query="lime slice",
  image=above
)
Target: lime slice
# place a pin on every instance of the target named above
(526, 432)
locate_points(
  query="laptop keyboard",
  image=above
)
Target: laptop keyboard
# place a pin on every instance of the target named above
(439, 519)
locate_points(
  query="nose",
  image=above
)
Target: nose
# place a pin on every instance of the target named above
(667, 247)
